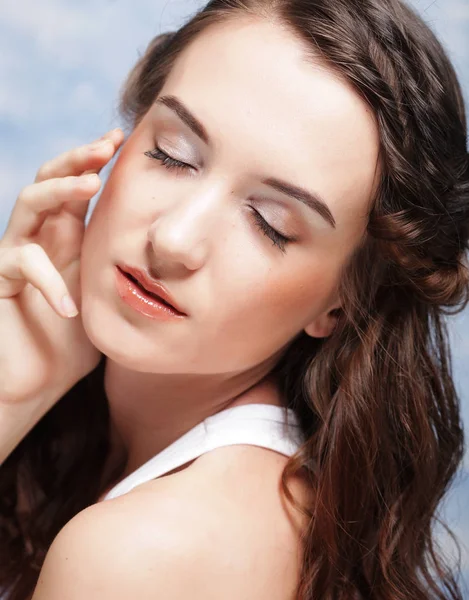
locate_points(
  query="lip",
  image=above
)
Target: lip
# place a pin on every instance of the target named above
(150, 285)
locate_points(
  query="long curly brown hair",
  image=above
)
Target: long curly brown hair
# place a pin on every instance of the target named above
(376, 400)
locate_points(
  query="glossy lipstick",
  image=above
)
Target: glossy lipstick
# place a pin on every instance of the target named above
(137, 297)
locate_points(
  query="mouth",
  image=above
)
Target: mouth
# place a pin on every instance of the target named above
(135, 287)
(147, 287)
(145, 291)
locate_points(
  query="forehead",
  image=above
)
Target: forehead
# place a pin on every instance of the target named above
(269, 111)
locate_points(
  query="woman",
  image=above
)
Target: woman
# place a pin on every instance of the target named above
(296, 177)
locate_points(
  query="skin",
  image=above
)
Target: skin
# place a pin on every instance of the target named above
(246, 300)
(268, 113)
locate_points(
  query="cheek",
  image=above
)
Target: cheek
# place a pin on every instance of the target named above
(112, 215)
(261, 315)
(277, 305)
(297, 296)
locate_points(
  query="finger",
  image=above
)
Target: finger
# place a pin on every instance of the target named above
(38, 200)
(89, 157)
(20, 265)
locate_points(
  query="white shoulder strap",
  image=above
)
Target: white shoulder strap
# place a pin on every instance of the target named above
(255, 424)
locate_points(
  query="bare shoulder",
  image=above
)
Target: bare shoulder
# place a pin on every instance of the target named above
(245, 510)
(246, 479)
(234, 493)
(215, 529)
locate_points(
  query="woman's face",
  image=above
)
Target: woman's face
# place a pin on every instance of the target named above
(266, 116)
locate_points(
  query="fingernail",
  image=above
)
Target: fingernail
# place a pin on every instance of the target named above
(110, 133)
(100, 144)
(91, 178)
(68, 306)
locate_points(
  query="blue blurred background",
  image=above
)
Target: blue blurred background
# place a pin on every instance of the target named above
(61, 67)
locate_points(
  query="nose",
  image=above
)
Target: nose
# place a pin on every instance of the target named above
(182, 234)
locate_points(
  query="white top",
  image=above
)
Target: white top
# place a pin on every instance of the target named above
(261, 425)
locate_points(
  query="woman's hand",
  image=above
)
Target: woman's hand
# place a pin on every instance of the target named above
(42, 341)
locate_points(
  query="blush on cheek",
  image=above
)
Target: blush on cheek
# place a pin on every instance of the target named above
(294, 299)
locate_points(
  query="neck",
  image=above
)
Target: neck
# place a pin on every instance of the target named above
(149, 411)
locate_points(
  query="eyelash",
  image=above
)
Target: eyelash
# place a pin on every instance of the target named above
(171, 163)
(167, 161)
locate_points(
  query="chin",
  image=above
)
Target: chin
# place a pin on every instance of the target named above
(117, 339)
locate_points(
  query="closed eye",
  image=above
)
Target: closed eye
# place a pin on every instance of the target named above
(167, 161)
(171, 163)
(277, 238)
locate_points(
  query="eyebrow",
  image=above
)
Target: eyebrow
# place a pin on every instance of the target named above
(310, 199)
